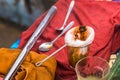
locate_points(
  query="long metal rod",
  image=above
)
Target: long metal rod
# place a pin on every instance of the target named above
(42, 61)
(30, 43)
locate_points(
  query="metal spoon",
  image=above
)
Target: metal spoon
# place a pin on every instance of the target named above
(67, 15)
(48, 45)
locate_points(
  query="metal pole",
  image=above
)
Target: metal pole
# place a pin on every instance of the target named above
(30, 43)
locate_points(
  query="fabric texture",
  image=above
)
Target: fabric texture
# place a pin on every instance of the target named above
(28, 70)
(102, 16)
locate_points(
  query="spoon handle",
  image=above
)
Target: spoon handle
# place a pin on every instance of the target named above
(40, 62)
(69, 11)
(66, 28)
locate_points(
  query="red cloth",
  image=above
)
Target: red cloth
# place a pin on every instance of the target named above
(103, 16)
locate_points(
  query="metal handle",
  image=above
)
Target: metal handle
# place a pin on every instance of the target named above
(66, 28)
(40, 62)
(30, 43)
(69, 11)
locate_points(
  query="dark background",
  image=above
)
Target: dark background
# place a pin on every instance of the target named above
(17, 15)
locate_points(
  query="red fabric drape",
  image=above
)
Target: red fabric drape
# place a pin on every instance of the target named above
(103, 16)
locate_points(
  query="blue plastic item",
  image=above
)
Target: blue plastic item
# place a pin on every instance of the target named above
(15, 44)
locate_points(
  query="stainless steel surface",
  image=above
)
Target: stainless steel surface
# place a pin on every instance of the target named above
(30, 43)
(42, 61)
(48, 45)
(67, 15)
